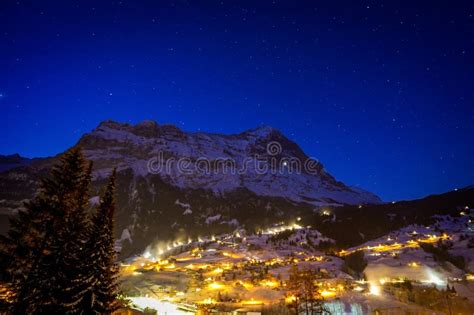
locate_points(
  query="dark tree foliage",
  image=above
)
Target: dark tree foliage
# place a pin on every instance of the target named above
(355, 225)
(47, 267)
(441, 254)
(281, 236)
(355, 263)
(304, 297)
(328, 247)
(101, 299)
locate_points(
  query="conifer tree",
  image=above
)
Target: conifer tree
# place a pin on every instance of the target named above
(46, 240)
(102, 297)
(71, 272)
(304, 297)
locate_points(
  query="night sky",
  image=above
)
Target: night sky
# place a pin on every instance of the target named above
(381, 93)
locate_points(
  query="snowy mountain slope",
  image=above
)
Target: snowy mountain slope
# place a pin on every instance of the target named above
(353, 225)
(127, 146)
(400, 254)
(162, 204)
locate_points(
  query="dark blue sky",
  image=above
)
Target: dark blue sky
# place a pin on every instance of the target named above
(381, 93)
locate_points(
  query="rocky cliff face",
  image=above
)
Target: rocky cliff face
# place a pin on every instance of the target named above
(246, 161)
(172, 182)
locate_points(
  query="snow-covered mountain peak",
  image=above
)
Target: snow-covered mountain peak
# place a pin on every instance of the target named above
(157, 197)
(126, 146)
(147, 123)
(262, 131)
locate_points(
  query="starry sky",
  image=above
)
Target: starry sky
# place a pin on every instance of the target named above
(381, 92)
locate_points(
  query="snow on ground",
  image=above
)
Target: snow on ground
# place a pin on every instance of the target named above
(228, 266)
(94, 201)
(398, 255)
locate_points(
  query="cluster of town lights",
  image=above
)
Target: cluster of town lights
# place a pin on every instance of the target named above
(216, 273)
(394, 247)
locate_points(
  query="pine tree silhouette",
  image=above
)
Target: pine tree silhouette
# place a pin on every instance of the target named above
(57, 259)
(102, 297)
(45, 242)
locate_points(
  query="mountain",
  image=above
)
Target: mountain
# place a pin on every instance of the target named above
(12, 161)
(349, 226)
(132, 147)
(171, 182)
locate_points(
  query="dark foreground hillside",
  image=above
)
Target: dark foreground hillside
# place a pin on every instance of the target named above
(353, 225)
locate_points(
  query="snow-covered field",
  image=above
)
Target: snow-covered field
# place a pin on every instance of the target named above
(239, 270)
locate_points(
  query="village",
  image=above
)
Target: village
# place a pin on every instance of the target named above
(242, 273)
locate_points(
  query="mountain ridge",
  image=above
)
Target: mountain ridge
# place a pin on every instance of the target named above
(150, 205)
(148, 139)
